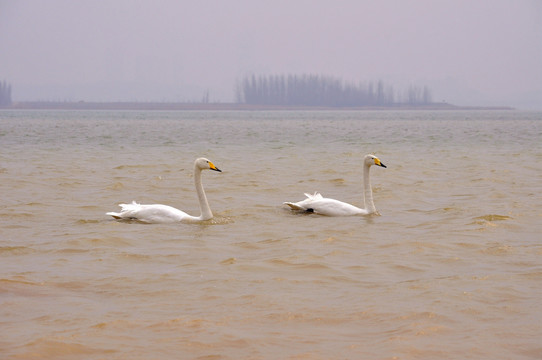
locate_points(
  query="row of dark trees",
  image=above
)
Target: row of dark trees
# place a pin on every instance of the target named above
(319, 90)
(5, 93)
(308, 90)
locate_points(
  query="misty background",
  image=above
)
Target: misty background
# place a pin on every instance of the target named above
(468, 52)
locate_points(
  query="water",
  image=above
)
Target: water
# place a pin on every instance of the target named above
(451, 269)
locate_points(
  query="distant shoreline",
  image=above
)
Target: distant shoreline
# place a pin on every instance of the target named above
(167, 106)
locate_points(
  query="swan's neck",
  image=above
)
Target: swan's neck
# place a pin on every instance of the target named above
(206, 213)
(367, 191)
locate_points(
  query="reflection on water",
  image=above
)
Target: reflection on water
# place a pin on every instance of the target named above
(452, 265)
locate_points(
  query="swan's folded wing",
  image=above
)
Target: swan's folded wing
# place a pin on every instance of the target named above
(332, 207)
(158, 213)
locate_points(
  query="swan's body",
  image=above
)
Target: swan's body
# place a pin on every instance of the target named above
(158, 213)
(318, 204)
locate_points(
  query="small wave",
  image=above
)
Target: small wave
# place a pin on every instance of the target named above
(70, 251)
(116, 186)
(499, 250)
(220, 220)
(54, 349)
(18, 281)
(84, 221)
(33, 203)
(135, 257)
(142, 166)
(229, 261)
(489, 220)
(493, 217)
(406, 268)
(15, 250)
(119, 324)
(16, 215)
(308, 266)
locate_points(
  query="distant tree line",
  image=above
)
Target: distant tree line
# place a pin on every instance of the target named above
(319, 90)
(5, 93)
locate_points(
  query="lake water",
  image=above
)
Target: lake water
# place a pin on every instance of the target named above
(451, 269)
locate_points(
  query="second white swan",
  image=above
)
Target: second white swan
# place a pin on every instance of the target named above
(158, 213)
(318, 204)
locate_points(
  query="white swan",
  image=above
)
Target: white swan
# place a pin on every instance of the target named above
(158, 213)
(324, 206)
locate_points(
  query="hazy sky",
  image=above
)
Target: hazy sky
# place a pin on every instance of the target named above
(469, 52)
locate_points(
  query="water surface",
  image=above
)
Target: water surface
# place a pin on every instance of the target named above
(451, 268)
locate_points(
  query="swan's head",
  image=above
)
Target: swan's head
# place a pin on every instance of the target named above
(371, 160)
(206, 164)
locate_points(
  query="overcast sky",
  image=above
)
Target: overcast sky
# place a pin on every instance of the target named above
(469, 52)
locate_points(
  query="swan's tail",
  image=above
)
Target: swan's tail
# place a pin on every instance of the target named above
(114, 214)
(294, 206)
(304, 205)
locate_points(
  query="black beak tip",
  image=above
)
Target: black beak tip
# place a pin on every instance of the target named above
(384, 166)
(217, 169)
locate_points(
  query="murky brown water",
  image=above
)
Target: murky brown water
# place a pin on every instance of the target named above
(452, 268)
